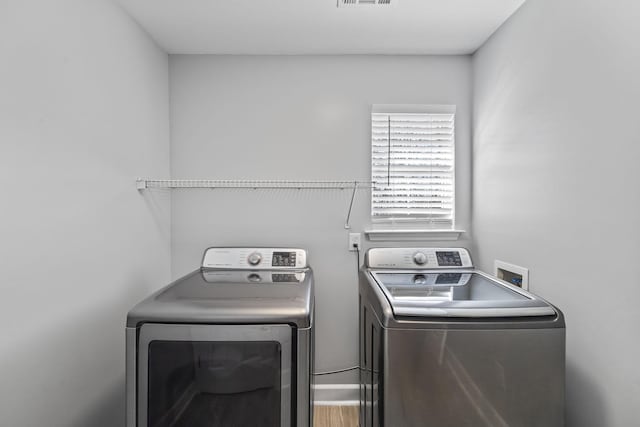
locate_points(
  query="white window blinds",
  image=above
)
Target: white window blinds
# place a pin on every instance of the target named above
(413, 166)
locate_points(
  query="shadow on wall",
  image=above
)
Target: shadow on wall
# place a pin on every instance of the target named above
(110, 411)
(582, 388)
(76, 367)
(158, 203)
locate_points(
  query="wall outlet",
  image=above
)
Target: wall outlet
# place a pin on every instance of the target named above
(354, 241)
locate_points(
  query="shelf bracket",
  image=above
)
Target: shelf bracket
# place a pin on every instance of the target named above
(347, 226)
(141, 184)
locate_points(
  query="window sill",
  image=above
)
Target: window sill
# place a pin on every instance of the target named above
(386, 235)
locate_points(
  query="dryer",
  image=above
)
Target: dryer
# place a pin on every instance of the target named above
(230, 344)
(445, 345)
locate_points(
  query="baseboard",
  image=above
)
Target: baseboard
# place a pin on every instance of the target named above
(336, 394)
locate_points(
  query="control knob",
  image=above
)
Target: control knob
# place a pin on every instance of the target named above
(254, 258)
(420, 258)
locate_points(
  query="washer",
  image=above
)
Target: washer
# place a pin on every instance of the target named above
(230, 344)
(445, 345)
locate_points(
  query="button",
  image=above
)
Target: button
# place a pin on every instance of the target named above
(420, 258)
(254, 258)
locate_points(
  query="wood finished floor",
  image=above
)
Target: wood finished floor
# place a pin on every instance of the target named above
(335, 416)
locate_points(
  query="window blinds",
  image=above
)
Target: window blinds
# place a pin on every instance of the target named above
(412, 167)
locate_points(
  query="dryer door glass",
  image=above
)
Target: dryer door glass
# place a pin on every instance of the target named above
(214, 375)
(198, 384)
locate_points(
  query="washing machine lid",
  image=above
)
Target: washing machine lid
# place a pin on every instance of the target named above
(231, 297)
(236, 285)
(456, 293)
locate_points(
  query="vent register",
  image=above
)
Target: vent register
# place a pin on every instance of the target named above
(362, 2)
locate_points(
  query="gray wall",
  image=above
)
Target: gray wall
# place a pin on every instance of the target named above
(297, 118)
(83, 111)
(556, 184)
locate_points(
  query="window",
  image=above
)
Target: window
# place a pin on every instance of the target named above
(413, 165)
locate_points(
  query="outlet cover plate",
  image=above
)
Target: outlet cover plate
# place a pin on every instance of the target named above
(355, 239)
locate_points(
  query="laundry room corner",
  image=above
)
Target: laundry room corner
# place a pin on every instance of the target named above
(83, 111)
(555, 184)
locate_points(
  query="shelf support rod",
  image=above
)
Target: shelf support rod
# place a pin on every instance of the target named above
(347, 226)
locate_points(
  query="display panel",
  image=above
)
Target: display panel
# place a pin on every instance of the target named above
(449, 259)
(284, 259)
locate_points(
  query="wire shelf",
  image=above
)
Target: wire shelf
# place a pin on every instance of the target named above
(175, 184)
(143, 184)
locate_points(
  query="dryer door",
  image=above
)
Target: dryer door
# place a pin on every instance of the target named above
(214, 375)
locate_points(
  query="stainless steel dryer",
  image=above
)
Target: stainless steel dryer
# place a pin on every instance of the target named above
(445, 345)
(230, 344)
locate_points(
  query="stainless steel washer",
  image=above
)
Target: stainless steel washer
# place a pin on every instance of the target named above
(445, 345)
(230, 344)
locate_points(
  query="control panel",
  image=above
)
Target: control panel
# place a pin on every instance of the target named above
(418, 258)
(254, 258)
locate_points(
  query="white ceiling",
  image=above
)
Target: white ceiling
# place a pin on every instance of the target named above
(319, 27)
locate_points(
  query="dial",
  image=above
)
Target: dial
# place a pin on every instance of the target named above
(419, 258)
(254, 258)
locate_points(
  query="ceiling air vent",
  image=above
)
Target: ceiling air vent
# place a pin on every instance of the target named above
(342, 3)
